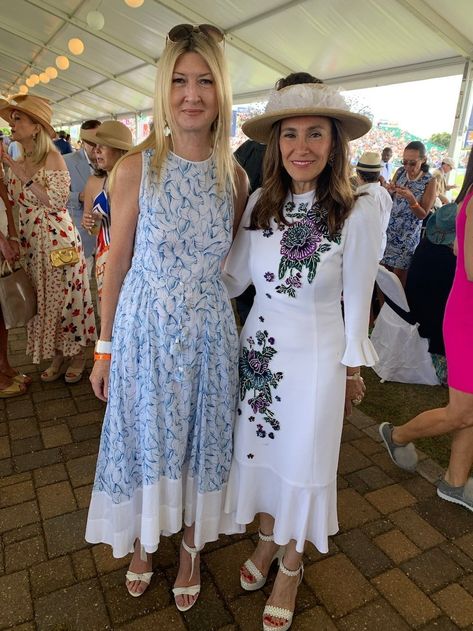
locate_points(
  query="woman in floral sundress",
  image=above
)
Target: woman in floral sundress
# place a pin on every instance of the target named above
(39, 185)
(302, 241)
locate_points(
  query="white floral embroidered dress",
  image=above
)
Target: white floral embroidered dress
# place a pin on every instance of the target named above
(65, 320)
(294, 350)
(167, 436)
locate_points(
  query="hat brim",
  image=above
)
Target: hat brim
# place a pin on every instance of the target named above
(89, 135)
(259, 127)
(8, 108)
(107, 141)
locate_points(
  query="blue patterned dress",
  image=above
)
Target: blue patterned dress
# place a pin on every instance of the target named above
(404, 228)
(166, 442)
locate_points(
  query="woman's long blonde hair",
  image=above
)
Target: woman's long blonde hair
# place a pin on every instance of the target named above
(213, 55)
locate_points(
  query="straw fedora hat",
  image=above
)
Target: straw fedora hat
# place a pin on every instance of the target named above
(37, 108)
(306, 99)
(110, 134)
(369, 161)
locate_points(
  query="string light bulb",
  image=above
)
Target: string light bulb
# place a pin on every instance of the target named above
(62, 62)
(76, 46)
(95, 20)
(30, 82)
(51, 72)
(34, 78)
(43, 77)
(23, 89)
(134, 4)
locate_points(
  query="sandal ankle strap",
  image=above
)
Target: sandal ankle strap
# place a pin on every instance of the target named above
(264, 537)
(299, 572)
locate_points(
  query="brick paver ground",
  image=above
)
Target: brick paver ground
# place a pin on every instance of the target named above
(403, 559)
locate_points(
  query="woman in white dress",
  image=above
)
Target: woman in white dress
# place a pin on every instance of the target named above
(304, 239)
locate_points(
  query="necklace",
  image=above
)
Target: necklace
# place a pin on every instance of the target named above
(27, 154)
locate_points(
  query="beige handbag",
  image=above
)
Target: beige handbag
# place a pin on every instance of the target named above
(17, 296)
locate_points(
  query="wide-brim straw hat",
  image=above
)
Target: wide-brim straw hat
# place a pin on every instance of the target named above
(449, 162)
(441, 228)
(110, 134)
(37, 108)
(306, 99)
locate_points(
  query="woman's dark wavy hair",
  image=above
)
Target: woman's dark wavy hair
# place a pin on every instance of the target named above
(417, 145)
(332, 189)
(468, 181)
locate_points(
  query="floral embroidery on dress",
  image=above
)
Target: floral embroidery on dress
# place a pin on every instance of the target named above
(257, 378)
(302, 244)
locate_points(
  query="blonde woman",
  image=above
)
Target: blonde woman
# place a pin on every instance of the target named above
(39, 185)
(169, 371)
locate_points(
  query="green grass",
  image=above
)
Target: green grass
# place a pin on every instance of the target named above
(399, 402)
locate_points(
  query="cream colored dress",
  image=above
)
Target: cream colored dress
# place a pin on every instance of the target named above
(65, 320)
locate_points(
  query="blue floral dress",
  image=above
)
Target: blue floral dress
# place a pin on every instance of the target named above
(404, 228)
(294, 349)
(166, 442)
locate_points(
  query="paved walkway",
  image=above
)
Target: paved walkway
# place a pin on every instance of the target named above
(403, 559)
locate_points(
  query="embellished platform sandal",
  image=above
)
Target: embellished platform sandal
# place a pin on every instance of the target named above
(192, 590)
(260, 579)
(279, 612)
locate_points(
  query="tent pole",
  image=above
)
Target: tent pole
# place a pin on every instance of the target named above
(462, 112)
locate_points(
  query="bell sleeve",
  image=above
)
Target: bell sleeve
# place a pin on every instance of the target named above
(360, 266)
(236, 272)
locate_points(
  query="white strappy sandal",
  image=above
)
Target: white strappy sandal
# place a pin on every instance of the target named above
(193, 590)
(280, 612)
(260, 579)
(144, 577)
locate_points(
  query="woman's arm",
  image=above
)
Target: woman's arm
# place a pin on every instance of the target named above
(124, 202)
(468, 244)
(48, 195)
(427, 200)
(241, 196)
(91, 189)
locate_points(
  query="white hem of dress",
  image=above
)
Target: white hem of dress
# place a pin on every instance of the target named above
(303, 513)
(157, 510)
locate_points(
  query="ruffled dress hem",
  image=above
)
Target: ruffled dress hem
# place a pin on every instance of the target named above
(303, 513)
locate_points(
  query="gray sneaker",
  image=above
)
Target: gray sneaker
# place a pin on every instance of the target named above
(404, 456)
(462, 495)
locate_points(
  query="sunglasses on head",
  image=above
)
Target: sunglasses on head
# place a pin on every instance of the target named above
(410, 163)
(182, 32)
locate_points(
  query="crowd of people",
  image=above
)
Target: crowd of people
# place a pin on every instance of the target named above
(203, 432)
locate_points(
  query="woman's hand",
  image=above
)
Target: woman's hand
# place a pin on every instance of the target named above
(18, 168)
(87, 221)
(10, 250)
(407, 194)
(354, 393)
(99, 378)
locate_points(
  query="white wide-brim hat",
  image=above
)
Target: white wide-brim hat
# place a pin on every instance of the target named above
(306, 99)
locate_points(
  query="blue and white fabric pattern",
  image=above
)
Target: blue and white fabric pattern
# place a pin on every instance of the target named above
(166, 443)
(404, 228)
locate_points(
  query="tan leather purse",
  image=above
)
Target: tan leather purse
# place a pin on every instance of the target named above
(64, 256)
(17, 296)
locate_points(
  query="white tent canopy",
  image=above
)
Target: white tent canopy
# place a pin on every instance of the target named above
(352, 43)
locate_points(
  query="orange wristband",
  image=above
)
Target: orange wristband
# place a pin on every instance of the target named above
(104, 356)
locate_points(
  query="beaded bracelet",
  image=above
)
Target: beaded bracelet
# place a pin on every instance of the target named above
(102, 356)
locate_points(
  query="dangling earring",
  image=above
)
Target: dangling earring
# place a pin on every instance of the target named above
(331, 159)
(167, 129)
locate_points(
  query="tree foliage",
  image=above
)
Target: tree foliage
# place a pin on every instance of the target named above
(442, 139)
